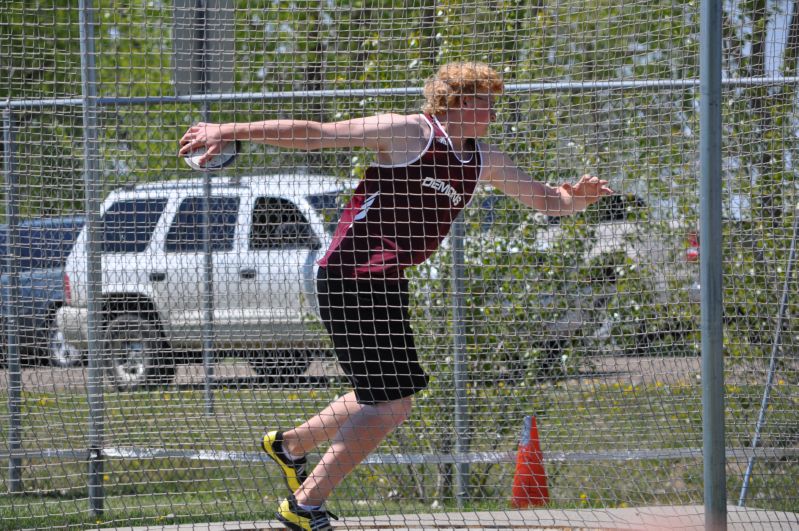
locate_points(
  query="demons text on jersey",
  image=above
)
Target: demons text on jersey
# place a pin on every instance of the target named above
(443, 187)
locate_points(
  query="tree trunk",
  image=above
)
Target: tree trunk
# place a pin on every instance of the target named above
(314, 80)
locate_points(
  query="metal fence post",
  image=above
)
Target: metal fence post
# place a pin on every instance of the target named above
(715, 488)
(208, 257)
(91, 177)
(11, 310)
(460, 369)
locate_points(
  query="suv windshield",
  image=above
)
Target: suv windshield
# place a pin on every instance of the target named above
(128, 225)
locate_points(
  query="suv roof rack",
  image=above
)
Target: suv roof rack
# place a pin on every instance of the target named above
(179, 184)
(270, 180)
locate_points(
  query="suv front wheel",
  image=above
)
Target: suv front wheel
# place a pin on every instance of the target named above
(136, 353)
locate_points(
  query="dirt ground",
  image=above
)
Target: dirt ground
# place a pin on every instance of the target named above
(236, 372)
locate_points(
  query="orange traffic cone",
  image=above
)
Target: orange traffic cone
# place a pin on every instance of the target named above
(530, 479)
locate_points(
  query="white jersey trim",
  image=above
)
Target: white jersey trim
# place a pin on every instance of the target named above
(451, 146)
(477, 144)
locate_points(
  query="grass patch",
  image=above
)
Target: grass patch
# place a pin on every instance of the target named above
(572, 418)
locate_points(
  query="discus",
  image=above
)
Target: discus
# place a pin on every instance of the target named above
(217, 162)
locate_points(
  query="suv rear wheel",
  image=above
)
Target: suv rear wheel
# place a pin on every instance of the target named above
(137, 354)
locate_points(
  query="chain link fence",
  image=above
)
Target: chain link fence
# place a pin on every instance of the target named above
(158, 320)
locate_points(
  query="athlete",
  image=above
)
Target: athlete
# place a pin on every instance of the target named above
(428, 166)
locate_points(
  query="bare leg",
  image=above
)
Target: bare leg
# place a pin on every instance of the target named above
(322, 427)
(360, 430)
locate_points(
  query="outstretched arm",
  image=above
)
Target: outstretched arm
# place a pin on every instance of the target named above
(501, 172)
(380, 133)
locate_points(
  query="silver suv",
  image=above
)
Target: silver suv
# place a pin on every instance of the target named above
(265, 235)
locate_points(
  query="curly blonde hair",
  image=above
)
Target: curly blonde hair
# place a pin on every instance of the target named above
(454, 80)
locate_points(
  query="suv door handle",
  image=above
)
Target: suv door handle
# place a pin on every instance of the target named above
(248, 274)
(157, 276)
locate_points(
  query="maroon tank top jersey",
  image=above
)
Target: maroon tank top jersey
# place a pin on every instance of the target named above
(399, 215)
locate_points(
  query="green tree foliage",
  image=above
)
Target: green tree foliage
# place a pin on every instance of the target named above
(645, 141)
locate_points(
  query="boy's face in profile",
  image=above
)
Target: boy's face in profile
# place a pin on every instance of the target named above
(477, 114)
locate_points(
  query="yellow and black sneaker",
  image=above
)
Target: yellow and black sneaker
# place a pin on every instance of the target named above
(293, 471)
(298, 519)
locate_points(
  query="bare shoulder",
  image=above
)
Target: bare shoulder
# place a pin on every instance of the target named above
(491, 151)
(402, 137)
(496, 163)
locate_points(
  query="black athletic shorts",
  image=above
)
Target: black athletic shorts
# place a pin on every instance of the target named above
(369, 324)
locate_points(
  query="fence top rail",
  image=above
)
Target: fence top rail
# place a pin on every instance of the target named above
(555, 86)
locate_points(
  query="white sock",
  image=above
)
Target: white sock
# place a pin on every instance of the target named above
(309, 507)
(291, 456)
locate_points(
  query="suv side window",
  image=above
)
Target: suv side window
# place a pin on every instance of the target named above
(127, 225)
(277, 223)
(186, 233)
